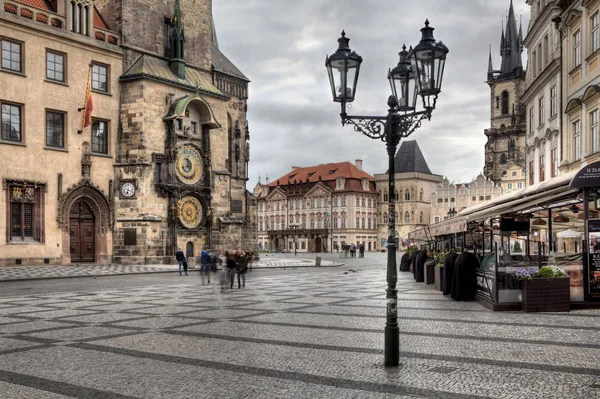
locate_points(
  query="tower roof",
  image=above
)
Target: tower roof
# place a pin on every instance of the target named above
(409, 158)
(511, 48)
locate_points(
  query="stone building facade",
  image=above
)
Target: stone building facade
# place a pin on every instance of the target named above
(505, 147)
(543, 90)
(318, 208)
(458, 196)
(173, 171)
(56, 176)
(415, 184)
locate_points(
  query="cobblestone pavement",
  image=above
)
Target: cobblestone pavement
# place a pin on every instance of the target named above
(308, 333)
(10, 273)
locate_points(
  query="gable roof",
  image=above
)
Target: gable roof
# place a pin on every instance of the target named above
(326, 172)
(98, 20)
(409, 158)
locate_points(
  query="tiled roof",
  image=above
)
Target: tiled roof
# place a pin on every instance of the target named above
(98, 21)
(150, 67)
(409, 158)
(327, 172)
(42, 4)
(222, 64)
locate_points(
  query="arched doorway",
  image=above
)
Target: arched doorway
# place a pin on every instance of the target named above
(318, 244)
(277, 244)
(189, 252)
(82, 233)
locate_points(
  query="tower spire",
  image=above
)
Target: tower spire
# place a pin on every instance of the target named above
(511, 56)
(490, 66)
(177, 60)
(502, 39)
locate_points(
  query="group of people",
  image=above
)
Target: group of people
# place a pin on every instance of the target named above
(232, 263)
(352, 250)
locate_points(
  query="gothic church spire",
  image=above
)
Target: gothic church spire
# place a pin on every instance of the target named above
(177, 61)
(512, 48)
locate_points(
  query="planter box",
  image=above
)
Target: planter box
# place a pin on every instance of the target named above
(439, 278)
(429, 272)
(546, 295)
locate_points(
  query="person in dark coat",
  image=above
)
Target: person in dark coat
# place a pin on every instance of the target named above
(464, 287)
(413, 262)
(420, 266)
(180, 257)
(232, 264)
(449, 267)
(405, 263)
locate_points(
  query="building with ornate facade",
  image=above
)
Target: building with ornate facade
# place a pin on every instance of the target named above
(505, 147)
(543, 90)
(163, 164)
(318, 208)
(415, 184)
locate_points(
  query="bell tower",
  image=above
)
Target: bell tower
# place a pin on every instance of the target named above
(505, 147)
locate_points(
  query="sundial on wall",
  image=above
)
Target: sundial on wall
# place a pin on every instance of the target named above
(190, 212)
(189, 166)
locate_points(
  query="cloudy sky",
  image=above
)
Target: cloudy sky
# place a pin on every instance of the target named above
(281, 47)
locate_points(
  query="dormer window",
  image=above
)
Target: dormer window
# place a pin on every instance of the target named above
(79, 17)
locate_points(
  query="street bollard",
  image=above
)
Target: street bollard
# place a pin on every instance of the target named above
(318, 260)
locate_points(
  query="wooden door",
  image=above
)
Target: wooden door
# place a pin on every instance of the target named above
(82, 231)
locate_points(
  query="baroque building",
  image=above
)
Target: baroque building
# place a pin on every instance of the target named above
(164, 163)
(505, 146)
(543, 92)
(415, 185)
(318, 208)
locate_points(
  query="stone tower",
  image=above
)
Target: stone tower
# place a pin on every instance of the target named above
(182, 157)
(505, 147)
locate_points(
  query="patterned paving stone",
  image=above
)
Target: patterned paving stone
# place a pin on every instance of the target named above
(314, 333)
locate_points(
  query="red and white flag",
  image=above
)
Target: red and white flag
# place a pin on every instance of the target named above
(88, 106)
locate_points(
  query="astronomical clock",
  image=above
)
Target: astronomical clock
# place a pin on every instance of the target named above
(189, 169)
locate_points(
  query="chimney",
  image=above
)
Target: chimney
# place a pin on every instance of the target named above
(295, 167)
(358, 164)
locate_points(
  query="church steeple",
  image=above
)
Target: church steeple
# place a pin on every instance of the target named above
(490, 66)
(512, 46)
(177, 61)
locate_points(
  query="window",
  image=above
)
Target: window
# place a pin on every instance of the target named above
(594, 24)
(335, 222)
(79, 18)
(509, 186)
(534, 62)
(312, 222)
(363, 224)
(504, 102)
(519, 185)
(553, 162)
(531, 173)
(539, 54)
(576, 141)
(407, 195)
(436, 219)
(421, 195)
(576, 49)
(357, 202)
(385, 218)
(343, 219)
(541, 111)
(100, 78)
(25, 211)
(531, 119)
(11, 56)
(312, 202)
(335, 201)
(357, 222)
(407, 218)
(12, 125)
(194, 127)
(343, 201)
(421, 218)
(363, 202)
(542, 164)
(385, 196)
(100, 137)
(546, 55)
(55, 129)
(55, 66)
(514, 174)
(553, 102)
(594, 130)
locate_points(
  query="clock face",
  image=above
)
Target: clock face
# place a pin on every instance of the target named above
(189, 166)
(127, 189)
(190, 212)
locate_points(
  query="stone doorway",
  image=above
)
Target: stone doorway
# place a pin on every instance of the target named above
(82, 233)
(318, 244)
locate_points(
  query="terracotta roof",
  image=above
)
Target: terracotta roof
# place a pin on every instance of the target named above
(37, 4)
(327, 172)
(98, 21)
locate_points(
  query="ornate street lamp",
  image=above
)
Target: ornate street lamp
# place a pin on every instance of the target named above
(418, 73)
(451, 213)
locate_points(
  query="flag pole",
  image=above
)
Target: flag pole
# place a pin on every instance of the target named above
(87, 103)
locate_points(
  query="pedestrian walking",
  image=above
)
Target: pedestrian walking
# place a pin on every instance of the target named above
(180, 257)
(243, 268)
(232, 265)
(361, 250)
(353, 251)
(204, 265)
(224, 270)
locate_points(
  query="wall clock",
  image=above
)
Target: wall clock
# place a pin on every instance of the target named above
(190, 212)
(127, 189)
(189, 166)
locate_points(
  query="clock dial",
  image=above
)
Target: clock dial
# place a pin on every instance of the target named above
(128, 189)
(189, 166)
(190, 212)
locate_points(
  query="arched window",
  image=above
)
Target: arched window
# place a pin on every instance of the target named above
(385, 196)
(399, 193)
(407, 195)
(79, 19)
(504, 102)
(421, 218)
(72, 16)
(412, 216)
(503, 159)
(421, 195)
(397, 198)
(406, 218)
(84, 19)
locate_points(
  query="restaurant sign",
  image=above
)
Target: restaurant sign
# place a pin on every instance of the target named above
(588, 176)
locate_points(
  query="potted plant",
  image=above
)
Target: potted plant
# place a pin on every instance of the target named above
(432, 260)
(544, 290)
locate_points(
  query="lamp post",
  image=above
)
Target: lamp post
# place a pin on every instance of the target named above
(418, 73)
(451, 213)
